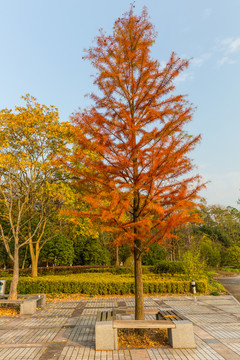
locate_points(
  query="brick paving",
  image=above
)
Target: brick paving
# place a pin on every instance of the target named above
(65, 330)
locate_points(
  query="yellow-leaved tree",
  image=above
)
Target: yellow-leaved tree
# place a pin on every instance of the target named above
(32, 189)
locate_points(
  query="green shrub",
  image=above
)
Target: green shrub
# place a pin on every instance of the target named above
(171, 267)
(105, 284)
(230, 269)
(214, 285)
(68, 270)
(192, 265)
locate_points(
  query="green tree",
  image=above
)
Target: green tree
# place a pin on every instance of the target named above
(221, 224)
(232, 256)
(58, 251)
(90, 251)
(210, 252)
(156, 253)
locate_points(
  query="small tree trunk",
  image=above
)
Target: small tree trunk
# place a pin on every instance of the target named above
(139, 300)
(117, 256)
(14, 283)
(34, 258)
(25, 256)
(35, 266)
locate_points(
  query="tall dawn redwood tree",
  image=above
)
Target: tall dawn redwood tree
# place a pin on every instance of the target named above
(131, 150)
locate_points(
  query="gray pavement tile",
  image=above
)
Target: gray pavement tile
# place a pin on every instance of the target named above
(65, 330)
(229, 308)
(211, 318)
(55, 312)
(223, 331)
(21, 353)
(62, 305)
(208, 341)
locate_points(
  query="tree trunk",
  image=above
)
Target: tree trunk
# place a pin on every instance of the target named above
(139, 300)
(14, 283)
(34, 258)
(25, 256)
(35, 266)
(117, 256)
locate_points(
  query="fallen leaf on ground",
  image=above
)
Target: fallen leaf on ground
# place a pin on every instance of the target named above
(8, 312)
(146, 338)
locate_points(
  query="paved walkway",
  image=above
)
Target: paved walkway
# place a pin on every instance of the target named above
(65, 331)
(232, 284)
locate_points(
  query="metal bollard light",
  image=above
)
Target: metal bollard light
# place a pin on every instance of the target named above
(193, 284)
(2, 287)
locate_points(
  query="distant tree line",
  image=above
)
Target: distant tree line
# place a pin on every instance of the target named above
(216, 240)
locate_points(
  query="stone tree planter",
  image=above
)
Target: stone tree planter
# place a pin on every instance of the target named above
(180, 329)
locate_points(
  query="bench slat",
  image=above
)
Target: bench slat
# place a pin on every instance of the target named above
(99, 316)
(109, 316)
(170, 314)
(114, 314)
(141, 324)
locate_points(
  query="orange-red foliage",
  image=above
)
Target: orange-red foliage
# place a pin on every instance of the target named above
(131, 152)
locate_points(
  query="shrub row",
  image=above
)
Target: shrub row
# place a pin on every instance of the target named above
(103, 285)
(67, 270)
(163, 266)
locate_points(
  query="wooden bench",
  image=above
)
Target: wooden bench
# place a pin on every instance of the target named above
(180, 330)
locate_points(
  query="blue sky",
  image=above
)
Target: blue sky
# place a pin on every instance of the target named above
(42, 44)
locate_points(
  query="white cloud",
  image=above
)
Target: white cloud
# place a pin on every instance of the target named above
(231, 45)
(229, 48)
(198, 61)
(226, 60)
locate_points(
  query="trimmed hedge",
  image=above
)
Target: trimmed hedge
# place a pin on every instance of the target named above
(68, 270)
(104, 284)
(161, 267)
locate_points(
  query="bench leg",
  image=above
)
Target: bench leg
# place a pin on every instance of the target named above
(106, 337)
(28, 307)
(182, 336)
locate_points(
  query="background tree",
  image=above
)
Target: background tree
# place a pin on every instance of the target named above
(30, 137)
(132, 142)
(91, 251)
(210, 252)
(232, 256)
(58, 251)
(155, 254)
(221, 224)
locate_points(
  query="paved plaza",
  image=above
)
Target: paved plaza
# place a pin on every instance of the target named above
(65, 330)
